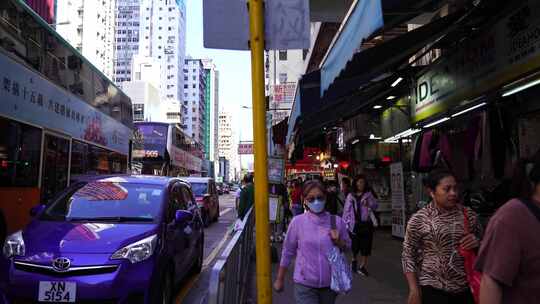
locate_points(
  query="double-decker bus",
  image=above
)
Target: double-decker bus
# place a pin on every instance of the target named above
(164, 149)
(59, 116)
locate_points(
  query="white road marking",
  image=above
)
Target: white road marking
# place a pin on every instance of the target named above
(225, 211)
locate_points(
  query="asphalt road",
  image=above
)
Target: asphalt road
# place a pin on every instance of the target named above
(194, 290)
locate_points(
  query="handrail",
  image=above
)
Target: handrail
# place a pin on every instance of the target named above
(229, 275)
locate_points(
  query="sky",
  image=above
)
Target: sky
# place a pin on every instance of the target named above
(234, 72)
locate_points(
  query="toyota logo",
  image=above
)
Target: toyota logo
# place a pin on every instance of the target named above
(61, 264)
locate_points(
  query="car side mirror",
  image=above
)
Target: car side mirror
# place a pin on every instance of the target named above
(183, 216)
(36, 210)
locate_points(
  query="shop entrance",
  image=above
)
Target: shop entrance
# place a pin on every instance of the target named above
(55, 166)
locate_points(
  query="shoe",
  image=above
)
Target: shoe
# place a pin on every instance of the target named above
(363, 271)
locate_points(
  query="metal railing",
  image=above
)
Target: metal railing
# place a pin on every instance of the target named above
(228, 279)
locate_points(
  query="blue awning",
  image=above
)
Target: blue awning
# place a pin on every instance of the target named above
(364, 19)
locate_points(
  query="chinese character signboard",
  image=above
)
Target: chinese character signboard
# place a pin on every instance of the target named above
(226, 24)
(28, 97)
(284, 93)
(398, 199)
(511, 47)
(245, 148)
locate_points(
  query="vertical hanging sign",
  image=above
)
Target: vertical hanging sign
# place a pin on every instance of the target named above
(398, 200)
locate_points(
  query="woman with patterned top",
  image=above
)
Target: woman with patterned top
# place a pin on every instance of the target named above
(433, 267)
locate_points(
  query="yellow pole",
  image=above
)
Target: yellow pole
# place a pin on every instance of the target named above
(262, 225)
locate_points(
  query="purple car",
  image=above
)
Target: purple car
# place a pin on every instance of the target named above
(122, 239)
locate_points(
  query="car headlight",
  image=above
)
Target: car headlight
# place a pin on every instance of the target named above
(138, 251)
(14, 245)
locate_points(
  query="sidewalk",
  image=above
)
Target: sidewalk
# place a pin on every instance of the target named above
(385, 285)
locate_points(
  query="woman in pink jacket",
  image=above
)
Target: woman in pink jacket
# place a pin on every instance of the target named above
(356, 214)
(309, 239)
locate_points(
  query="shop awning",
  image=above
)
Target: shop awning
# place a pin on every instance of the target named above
(371, 63)
(364, 18)
(367, 74)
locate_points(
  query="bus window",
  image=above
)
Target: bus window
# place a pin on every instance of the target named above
(20, 149)
(55, 166)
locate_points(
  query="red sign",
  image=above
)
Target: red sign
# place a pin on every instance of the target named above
(284, 92)
(245, 148)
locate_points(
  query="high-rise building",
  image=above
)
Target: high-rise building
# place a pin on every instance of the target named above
(212, 106)
(195, 99)
(44, 8)
(283, 69)
(89, 27)
(227, 143)
(153, 30)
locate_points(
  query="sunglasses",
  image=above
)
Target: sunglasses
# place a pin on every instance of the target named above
(313, 198)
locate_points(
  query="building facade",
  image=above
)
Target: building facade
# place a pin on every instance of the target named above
(195, 99)
(89, 26)
(212, 106)
(283, 69)
(153, 31)
(227, 143)
(44, 8)
(145, 99)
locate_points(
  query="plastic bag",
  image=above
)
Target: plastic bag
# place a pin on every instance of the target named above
(341, 274)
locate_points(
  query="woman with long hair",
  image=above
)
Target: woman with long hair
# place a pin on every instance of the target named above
(309, 238)
(357, 214)
(432, 264)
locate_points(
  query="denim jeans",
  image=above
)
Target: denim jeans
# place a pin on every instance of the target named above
(307, 295)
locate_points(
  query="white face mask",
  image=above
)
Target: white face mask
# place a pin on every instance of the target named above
(316, 206)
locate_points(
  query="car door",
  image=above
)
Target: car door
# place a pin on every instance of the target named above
(175, 231)
(192, 229)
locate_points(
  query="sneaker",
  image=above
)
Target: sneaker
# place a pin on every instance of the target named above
(363, 271)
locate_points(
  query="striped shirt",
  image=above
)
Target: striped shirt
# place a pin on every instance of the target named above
(430, 247)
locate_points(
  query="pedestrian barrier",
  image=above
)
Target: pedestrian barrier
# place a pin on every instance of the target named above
(228, 279)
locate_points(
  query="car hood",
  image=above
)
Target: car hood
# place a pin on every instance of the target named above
(64, 237)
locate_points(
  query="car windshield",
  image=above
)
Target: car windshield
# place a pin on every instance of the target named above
(199, 189)
(107, 201)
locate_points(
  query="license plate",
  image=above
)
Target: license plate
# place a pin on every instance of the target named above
(63, 292)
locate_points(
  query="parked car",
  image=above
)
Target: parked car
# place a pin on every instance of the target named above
(207, 197)
(122, 239)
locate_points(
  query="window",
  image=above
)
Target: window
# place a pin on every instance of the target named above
(138, 112)
(283, 55)
(282, 78)
(194, 86)
(19, 162)
(185, 86)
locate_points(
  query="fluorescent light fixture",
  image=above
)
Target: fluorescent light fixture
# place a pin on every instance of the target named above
(437, 122)
(406, 133)
(355, 141)
(469, 109)
(391, 97)
(395, 83)
(521, 88)
(376, 107)
(372, 136)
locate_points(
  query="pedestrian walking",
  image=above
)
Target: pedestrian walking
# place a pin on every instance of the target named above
(296, 199)
(359, 217)
(432, 264)
(247, 196)
(310, 238)
(345, 187)
(333, 204)
(510, 255)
